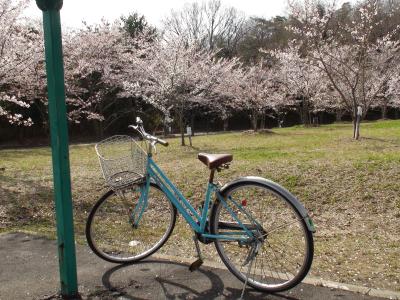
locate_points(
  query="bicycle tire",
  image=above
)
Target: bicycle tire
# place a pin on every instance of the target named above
(117, 240)
(300, 249)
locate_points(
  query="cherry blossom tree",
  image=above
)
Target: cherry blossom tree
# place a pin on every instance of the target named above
(391, 96)
(358, 70)
(97, 60)
(300, 79)
(176, 75)
(219, 74)
(32, 82)
(92, 61)
(254, 89)
(15, 52)
(217, 99)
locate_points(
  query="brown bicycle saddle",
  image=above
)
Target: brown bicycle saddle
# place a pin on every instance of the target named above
(213, 161)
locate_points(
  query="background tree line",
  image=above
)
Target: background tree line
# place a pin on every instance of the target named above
(208, 66)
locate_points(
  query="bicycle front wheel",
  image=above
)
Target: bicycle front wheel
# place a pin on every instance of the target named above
(285, 254)
(111, 231)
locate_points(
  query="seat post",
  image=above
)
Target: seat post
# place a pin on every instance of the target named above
(211, 176)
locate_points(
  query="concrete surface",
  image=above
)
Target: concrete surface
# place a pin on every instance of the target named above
(29, 270)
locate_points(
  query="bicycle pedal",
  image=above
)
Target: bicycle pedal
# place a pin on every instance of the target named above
(195, 265)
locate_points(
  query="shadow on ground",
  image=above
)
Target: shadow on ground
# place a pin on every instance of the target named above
(29, 270)
(168, 284)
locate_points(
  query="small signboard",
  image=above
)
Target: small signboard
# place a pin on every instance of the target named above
(189, 134)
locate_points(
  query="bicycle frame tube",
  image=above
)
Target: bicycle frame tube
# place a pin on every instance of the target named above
(196, 220)
(174, 195)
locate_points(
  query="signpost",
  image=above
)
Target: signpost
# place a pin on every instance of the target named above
(189, 133)
(358, 120)
(59, 145)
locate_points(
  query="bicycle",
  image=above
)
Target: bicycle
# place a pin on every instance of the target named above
(261, 232)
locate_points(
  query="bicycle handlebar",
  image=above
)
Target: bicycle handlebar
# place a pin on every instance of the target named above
(162, 142)
(139, 128)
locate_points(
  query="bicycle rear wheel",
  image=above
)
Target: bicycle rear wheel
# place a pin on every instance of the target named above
(110, 229)
(285, 255)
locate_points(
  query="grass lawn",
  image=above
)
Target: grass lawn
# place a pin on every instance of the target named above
(351, 188)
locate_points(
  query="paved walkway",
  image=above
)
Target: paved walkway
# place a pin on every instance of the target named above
(29, 270)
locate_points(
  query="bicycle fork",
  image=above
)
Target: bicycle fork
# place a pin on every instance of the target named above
(140, 207)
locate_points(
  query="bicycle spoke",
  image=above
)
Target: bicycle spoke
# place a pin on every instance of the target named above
(112, 236)
(280, 261)
(281, 226)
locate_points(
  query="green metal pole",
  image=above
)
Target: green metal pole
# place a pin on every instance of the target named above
(59, 145)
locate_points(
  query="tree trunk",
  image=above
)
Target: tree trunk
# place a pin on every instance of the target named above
(192, 123)
(384, 110)
(182, 130)
(98, 128)
(305, 113)
(315, 120)
(165, 129)
(226, 124)
(254, 120)
(262, 125)
(339, 115)
(45, 129)
(356, 127)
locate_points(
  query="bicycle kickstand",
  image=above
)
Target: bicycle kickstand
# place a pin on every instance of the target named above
(250, 258)
(197, 263)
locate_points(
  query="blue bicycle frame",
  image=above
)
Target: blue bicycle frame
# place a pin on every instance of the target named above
(197, 220)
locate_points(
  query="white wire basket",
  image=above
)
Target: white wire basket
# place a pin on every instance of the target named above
(122, 161)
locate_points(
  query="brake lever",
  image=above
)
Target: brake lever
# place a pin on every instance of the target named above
(137, 129)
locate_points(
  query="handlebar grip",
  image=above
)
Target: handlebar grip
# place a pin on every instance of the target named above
(162, 142)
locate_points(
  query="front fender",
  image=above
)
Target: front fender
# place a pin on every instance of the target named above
(275, 188)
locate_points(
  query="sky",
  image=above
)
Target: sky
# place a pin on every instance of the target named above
(74, 11)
